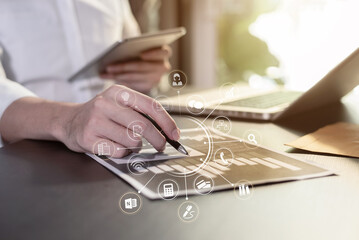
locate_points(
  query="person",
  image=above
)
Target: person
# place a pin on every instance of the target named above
(42, 43)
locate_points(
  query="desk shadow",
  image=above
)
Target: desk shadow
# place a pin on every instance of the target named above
(51, 163)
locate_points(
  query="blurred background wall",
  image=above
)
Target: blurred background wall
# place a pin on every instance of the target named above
(262, 42)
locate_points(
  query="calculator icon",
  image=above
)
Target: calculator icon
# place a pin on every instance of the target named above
(168, 190)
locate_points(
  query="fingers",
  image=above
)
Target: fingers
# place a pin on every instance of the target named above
(157, 54)
(144, 104)
(138, 124)
(106, 147)
(111, 117)
(121, 135)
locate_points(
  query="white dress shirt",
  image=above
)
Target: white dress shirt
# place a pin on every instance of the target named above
(43, 42)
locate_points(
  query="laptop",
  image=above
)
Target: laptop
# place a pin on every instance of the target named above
(241, 101)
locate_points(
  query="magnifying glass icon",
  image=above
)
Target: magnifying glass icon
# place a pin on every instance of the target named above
(252, 138)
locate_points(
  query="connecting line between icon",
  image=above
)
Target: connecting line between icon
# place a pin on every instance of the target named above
(226, 141)
(212, 111)
(139, 191)
(185, 182)
(221, 175)
(178, 99)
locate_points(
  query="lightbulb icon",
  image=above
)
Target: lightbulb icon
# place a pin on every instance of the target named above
(125, 96)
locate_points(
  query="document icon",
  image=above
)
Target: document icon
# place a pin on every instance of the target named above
(103, 149)
(130, 203)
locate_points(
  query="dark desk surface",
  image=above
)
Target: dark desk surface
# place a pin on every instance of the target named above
(49, 192)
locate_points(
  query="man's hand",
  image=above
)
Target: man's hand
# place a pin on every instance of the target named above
(144, 74)
(106, 118)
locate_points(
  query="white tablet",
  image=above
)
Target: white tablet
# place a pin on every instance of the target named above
(127, 49)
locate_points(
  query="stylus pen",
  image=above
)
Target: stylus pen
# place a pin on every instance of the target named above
(179, 147)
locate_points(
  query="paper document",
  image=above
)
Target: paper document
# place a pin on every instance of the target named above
(216, 162)
(339, 138)
(151, 154)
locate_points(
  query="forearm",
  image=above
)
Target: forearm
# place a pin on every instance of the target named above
(34, 118)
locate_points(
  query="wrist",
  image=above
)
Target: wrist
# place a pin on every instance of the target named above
(61, 121)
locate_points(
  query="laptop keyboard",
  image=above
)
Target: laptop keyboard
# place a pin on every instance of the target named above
(266, 100)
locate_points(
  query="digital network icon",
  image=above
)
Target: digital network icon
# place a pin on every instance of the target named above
(137, 166)
(229, 93)
(188, 211)
(130, 203)
(252, 138)
(203, 184)
(137, 130)
(223, 157)
(222, 124)
(168, 189)
(195, 104)
(103, 149)
(177, 79)
(243, 190)
(159, 107)
(125, 96)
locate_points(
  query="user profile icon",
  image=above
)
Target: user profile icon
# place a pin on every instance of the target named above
(177, 79)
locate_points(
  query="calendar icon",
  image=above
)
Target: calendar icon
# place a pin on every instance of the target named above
(168, 190)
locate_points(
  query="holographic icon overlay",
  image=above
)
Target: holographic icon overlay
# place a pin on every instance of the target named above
(188, 211)
(223, 157)
(130, 203)
(203, 136)
(104, 148)
(243, 189)
(222, 124)
(195, 104)
(177, 79)
(203, 184)
(252, 138)
(125, 97)
(168, 189)
(160, 104)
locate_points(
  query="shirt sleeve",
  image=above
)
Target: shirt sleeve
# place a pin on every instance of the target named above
(10, 91)
(130, 26)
